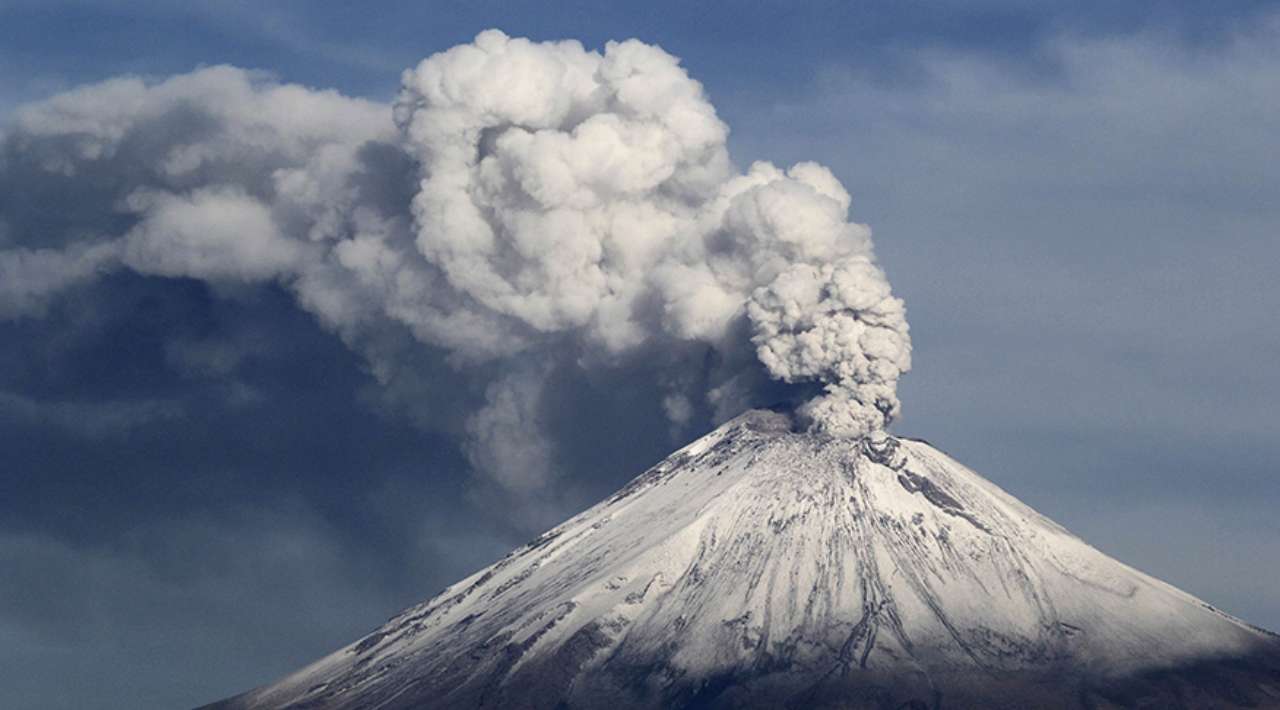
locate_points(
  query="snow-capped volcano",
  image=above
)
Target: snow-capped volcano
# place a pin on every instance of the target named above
(761, 567)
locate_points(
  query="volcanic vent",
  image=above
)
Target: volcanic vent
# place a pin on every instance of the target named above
(764, 567)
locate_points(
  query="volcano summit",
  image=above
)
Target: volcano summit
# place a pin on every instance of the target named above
(764, 567)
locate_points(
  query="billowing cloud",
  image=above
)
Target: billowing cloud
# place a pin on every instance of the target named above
(599, 198)
(836, 324)
(209, 233)
(521, 207)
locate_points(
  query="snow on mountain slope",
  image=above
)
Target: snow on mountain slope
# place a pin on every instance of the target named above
(762, 567)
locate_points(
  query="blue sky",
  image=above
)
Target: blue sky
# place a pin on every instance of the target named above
(202, 488)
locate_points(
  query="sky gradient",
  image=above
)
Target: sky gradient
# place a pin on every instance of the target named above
(202, 488)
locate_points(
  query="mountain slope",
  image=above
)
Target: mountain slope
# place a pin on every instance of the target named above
(763, 567)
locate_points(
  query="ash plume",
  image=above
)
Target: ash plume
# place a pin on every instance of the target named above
(520, 207)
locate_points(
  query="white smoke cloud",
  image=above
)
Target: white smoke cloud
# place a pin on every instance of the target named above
(211, 233)
(556, 179)
(603, 185)
(530, 202)
(504, 440)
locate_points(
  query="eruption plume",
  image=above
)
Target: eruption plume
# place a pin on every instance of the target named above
(520, 206)
(569, 190)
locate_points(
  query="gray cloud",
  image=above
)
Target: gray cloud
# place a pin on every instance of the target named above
(503, 440)
(592, 217)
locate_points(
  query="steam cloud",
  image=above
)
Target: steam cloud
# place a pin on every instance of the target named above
(517, 197)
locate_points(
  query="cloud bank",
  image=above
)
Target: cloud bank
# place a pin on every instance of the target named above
(521, 208)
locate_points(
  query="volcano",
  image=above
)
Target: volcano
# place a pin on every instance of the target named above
(764, 567)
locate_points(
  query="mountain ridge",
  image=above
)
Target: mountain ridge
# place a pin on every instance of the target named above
(764, 567)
